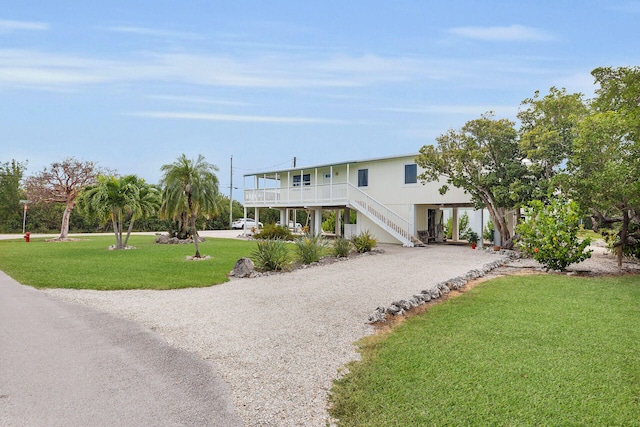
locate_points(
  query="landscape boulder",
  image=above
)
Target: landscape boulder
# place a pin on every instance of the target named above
(244, 268)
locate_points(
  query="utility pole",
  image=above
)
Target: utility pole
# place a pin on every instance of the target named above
(231, 195)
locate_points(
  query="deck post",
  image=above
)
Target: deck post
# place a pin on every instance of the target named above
(455, 233)
(317, 221)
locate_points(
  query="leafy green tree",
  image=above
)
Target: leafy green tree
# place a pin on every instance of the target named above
(605, 176)
(605, 165)
(548, 129)
(189, 190)
(550, 234)
(11, 194)
(62, 182)
(483, 158)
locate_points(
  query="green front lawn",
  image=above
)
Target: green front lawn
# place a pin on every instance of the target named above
(541, 350)
(583, 234)
(88, 264)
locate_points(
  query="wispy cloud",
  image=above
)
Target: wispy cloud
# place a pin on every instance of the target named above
(38, 70)
(232, 117)
(508, 33)
(42, 70)
(11, 26)
(55, 71)
(463, 110)
(198, 100)
(154, 32)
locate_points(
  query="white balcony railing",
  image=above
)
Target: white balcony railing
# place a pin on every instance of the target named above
(317, 195)
(342, 194)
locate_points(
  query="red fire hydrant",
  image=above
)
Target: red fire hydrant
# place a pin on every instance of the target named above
(27, 237)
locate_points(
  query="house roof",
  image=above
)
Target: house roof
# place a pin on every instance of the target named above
(348, 162)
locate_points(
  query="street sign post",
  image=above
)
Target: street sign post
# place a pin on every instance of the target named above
(24, 215)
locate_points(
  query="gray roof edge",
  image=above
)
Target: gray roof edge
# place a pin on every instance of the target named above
(350, 162)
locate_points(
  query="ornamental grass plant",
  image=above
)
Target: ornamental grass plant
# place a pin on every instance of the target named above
(364, 242)
(341, 247)
(310, 248)
(271, 255)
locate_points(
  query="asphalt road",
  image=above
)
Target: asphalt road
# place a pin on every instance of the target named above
(69, 365)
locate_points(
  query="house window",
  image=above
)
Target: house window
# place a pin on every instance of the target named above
(411, 174)
(363, 177)
(306, 180)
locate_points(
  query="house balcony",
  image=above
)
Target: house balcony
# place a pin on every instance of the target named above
(322, 195)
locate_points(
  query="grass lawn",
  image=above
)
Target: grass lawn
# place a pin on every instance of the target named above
(544, 350)
(583, 234)
(88, 264)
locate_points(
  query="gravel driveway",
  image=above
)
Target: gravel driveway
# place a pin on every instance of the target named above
(280, 340)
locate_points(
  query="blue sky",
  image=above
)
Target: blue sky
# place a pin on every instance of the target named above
(133, 84)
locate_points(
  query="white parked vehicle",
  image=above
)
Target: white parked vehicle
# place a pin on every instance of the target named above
(239, 224)
(296, 228)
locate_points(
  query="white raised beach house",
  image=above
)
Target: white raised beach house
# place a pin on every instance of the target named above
(386, 193)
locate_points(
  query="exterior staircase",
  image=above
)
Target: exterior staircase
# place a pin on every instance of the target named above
(382, 216)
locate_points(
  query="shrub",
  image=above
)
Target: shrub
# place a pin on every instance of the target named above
(550, 235)
(341, 247)
(471, 236)
(364, 242)
(310, 248)
(488, 231)
(271, 255)
(274, 232)
(463, 226)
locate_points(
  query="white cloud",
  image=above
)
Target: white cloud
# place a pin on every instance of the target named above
(40, 70)
(232, 117)
(153, 32)
(43, 70)
(453, 109)
(53, 71)
(10, 26)
(508, 33)
(198, 100)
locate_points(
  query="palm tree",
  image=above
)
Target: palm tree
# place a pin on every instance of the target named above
(113, 198)
(146, 204)
(189, 188)
(107, 200)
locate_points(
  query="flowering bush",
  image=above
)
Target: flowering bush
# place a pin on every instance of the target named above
(550, 234)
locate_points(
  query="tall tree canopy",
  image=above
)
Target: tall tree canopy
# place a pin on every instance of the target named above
(11, 194)
(190, 189)
(483, 158)
(62, 182)
(605, 165)
(548, 129)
